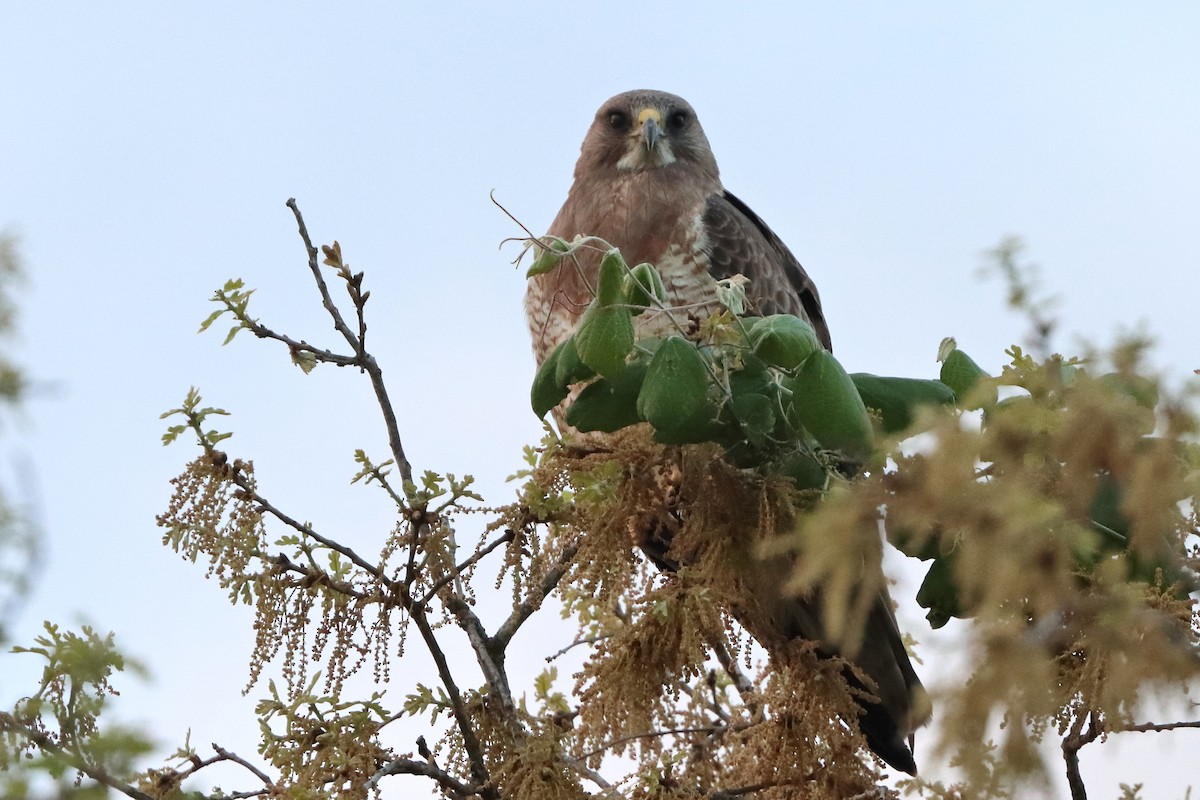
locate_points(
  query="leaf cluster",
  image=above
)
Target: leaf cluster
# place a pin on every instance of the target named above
(762, 387)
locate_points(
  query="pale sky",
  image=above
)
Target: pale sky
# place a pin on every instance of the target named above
(147, 150)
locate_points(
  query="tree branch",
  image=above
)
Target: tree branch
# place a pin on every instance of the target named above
(465, 727)
(459, 569)
(1076, 738)
(239, 479)
(226, 755)
(530, 604)
(43, 742)
(408, 766)
(363, 358)
(490, 661)
(1158, 727)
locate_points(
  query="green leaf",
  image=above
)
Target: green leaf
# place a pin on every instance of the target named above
(906, 542)
(961, 374)
(610, 288)
(570, 368)
(608, 404)
(210, 319)
(939, 594)
(754, 400)
(675, 393)
(783, 340)
(827, 405)
(804, 469)
(547, 391)
(605, 337)
(643, 287)
(896, 399)
(550, 252)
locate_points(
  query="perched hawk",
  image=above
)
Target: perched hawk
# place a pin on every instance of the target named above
(647, 183)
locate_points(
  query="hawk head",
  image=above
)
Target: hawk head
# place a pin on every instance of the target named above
(644, 130)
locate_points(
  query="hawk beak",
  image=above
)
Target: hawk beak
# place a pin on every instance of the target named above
(651, 127)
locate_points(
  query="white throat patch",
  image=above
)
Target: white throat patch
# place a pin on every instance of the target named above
(639, 157)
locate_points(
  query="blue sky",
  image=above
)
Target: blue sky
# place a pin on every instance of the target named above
(148, 150)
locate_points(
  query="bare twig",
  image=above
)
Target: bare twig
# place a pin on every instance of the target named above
(285, 564)
(363, 358)
(408, 766)
(339, 324)
(242, 483)
(1157, 727)
(581, 641)
(226, 755)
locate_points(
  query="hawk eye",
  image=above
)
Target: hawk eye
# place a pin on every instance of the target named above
(676, 120)
(618, 121)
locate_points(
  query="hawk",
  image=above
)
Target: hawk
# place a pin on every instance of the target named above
(647, 183)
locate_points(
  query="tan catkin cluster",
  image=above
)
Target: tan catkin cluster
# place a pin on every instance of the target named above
(706, 522)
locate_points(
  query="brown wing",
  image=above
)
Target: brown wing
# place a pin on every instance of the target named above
(741, 243)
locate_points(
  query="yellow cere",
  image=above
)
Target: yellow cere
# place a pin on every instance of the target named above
(650, 113)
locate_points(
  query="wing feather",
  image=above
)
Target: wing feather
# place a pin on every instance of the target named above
(739, 242)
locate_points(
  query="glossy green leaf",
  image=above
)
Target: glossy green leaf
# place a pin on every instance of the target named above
(939, 594)
(608, 404)
(896, 399)
(826, 404)
(804, 470)
(611, 281)
(569, 368)
(961, 374)
(783, 340)
(754, 400)
(643, 288)
(547, 391)
(675, 393)
(605, 338)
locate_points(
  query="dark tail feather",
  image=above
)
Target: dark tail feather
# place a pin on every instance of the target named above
(884, 738)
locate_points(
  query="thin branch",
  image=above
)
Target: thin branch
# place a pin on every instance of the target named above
(408, 766)
(740, 680)
(320, 354)
(364, 359)
(285, 564)
(465, 727)
(235, 758)
(76, 761)
(590, 774)
(1076, 738)
(306, 530)
(574, 644)
(339, 324)
(711, 730)
(530, 604)
(1156, 727)
(465, 565)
